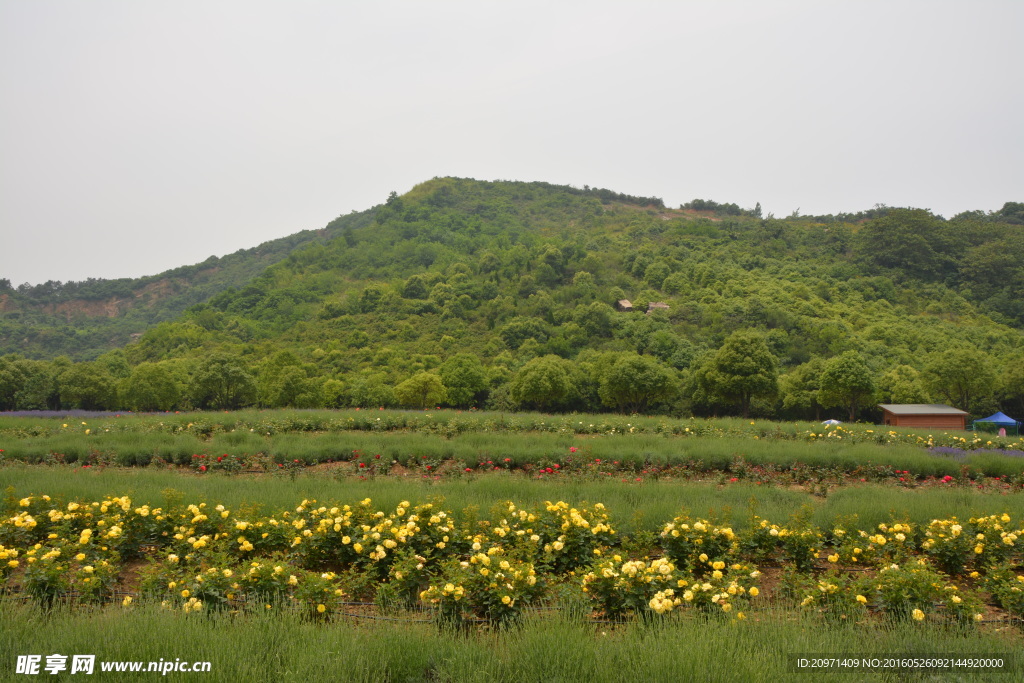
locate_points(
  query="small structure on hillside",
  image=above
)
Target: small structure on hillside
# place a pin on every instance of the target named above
(624, 305)
(925, 415)
(656, 306)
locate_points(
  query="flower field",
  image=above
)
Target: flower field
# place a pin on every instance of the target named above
(468, 574)
(460, 569)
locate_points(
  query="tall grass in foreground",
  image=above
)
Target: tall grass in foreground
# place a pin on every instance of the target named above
(279, 646)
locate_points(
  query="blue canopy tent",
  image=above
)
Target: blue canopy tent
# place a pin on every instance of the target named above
(996, 421)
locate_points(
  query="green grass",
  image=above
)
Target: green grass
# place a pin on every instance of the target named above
(280, 646)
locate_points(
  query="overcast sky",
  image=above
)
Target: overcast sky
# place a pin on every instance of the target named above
(140, 136)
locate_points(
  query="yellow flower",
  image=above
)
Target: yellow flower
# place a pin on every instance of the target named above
(185, 593)
(321, 608)
(862, 600)
(754, 592)
(917, 614)
(127, 601)
(833, 558)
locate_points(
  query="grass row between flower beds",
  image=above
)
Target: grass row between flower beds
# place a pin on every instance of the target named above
(427, 443)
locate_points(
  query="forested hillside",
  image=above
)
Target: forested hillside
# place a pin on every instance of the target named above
(504, 294)
(85, 319)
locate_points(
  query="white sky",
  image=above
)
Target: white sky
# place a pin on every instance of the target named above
(140, 136)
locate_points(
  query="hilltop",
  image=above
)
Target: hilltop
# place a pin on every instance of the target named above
(507, 292)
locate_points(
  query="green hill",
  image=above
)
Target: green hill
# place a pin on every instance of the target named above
(464, 292)
(85, 319)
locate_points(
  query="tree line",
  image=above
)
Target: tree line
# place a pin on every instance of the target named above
(742, 377)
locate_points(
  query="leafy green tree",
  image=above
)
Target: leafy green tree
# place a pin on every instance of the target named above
(12, 380)
(150, 386)
(284, 383)
(903, 384)
(633, 383)
(544, 383)
(964, 377)
(39, 388)
(371, 391)
(422, 390)
(415, 288)
(465, 379)
(595, 319)
(221, 382)
(800, 386)
(742, 369)
(846, 382)
(88, 386)
(295, 389)
(116, 364)
(518, 330)
(909, 240)
(334, 393)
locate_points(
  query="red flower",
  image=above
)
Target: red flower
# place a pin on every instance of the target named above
(947, 479)
(362, 464)
(558, 467)
(734, 479)
(469, 469)
(377, 456)
(572, 449)
(508, 459)
(202, 468)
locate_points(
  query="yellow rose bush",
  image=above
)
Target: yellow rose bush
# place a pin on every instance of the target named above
(1007, 588)
(693, 543)
(995, 536)
(409, 575)
(950, 544)
(619, 587)
(319, 593)
(495, 586)
(884, 545)
(902, 590)
(558, 537)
